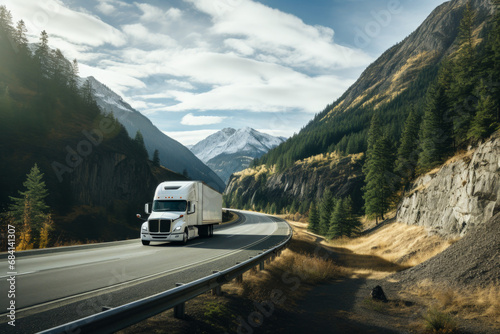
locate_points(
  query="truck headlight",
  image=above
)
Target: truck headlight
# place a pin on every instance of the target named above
(144, 227)
(178, 228)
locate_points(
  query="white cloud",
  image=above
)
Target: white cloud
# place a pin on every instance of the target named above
(291, 92)
(152, 13)
(240, 46)
(277, 132)
(105, 8)
(274, 32)
(191, 119)
(180, 84)
(140, 34)
(189, 137)
(60, 21)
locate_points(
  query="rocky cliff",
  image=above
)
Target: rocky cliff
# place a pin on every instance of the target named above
(307, 180)
(463, 193)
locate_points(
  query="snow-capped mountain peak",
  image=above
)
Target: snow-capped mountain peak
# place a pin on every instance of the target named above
(241, 146)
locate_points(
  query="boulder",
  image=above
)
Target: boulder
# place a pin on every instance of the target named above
(377, 293)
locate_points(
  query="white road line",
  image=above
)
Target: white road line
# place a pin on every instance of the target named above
(199, 243)
(19, 274)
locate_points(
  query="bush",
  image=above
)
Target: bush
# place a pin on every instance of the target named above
(439, 322)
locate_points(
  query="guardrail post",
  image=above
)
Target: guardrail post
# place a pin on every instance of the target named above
(261, 265)
(217, 291)
(239, 278)
(180, 310)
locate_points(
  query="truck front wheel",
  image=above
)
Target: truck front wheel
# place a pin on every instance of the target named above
(145, 242)
(185, 237)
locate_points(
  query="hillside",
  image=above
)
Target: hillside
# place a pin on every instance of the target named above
(229, 150)
(173, 155)
(261, 188)
(96, 176)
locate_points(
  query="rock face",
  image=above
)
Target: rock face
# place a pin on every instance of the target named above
(307, 180)
(461, 195)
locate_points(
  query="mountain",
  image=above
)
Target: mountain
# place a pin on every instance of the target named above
(228, 150)
(173, 155)
(400, 80)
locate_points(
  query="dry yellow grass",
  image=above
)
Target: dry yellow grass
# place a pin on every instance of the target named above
(397, 243)
(300, 266)
(474, 303)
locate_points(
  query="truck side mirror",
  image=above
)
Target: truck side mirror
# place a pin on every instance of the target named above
(191, 208)
(146, 208)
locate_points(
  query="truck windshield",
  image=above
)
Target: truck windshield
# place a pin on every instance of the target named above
(169, 206)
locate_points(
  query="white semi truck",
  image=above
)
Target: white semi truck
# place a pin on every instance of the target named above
(181, 210)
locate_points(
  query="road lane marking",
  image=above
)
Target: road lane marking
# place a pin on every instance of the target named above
(199, 243)
(19, 274)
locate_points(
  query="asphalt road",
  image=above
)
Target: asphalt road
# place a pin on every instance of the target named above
(54, 288)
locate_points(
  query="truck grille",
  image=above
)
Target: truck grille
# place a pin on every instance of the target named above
(160, 225)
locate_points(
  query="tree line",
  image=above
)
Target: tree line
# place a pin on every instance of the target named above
(462, 107)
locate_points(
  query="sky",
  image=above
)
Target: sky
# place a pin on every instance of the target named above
(194, 67)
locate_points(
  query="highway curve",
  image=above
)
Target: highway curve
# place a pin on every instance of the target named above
(74, 282)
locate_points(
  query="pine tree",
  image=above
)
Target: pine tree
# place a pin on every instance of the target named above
(29, 211)
(313, 218)
(73, 76)
(380, 181)
(325, 210)
(485, 121)
(6, 28)
(491, 61)
(139, 140)
(273, 209)
(408, 149)
(374, 132)
(87, 93)
(462, 86)
(42, 53)
(156, 158)
(338, 221)
(436, 141)
(353, 225)
(293, 207)
(20, 36)
(59, 71)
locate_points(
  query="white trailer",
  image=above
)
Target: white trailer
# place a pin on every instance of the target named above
(181, 210)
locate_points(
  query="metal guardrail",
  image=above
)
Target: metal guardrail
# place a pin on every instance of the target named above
(121, 317)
